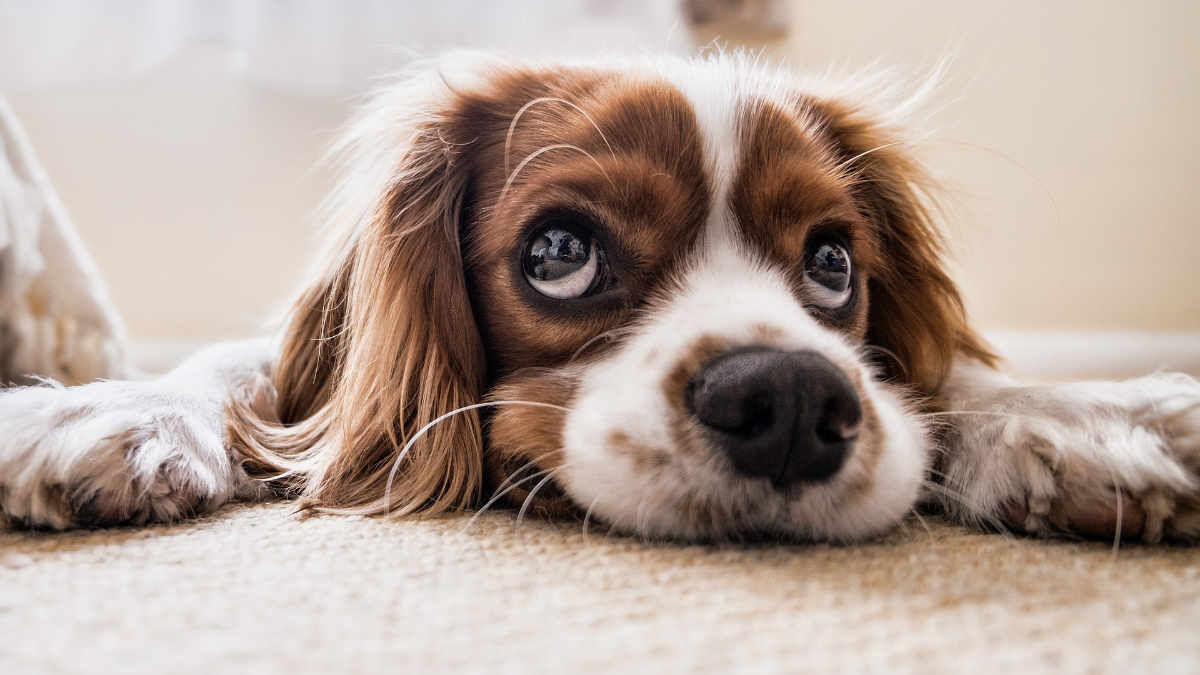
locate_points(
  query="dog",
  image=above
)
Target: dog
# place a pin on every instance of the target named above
(696, 300)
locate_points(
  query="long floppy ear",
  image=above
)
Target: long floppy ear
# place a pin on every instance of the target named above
(384, 342)
(916, 311)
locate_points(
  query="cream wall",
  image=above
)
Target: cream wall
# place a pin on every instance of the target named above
(1069, 137)
(192, 190)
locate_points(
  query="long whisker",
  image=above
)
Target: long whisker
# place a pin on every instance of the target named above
(937, 473)
(993, 413)
(892, 354)
(602, 336)
(962, 500)
(387, 492)
(537, 153)
(500, 494)
(529, 498)
(885, 146)
(509, 477)
(924, 524)
(1116, 546)
(1012, 160)
(512, 127)
(587, 516)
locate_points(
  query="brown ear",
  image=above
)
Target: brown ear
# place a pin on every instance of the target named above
(385, 341)
(916, 312)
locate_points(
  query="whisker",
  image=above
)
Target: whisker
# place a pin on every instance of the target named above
(529, 498)
(924, 525)
(587, 516)
(888, 352)
(602, 336)
(512, 127)
(499, 495)
(970, 511)
(509, 477)
(937, 473)
(537, 153)
(641, 517)
(1116, 545)
(947, 492)
(993, 413)
(387, 492)
(885, 146)
(278, 476)
(1041, 184)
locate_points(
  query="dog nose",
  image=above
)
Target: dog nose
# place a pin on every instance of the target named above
(787, 416)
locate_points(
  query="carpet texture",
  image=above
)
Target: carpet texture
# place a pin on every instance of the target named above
(253, 589)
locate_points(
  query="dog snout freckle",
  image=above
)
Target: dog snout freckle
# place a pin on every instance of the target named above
(788, 416)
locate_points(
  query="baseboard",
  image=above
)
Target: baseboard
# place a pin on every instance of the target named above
(1036, 355)
(1077, 355)
(160, 355)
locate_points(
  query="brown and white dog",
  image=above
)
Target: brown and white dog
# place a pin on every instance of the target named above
(690, 299)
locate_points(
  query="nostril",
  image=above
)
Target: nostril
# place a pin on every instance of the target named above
(758, 413)
(746, 418)
(786, 416)
(840, 419)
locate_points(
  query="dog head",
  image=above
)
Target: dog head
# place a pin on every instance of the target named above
(698, 295)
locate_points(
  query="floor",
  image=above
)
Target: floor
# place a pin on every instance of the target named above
(255, 589)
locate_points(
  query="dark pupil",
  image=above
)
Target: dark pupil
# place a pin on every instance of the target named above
(830, 267)
(554, 254)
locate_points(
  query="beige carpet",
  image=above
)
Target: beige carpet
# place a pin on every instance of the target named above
(253, 589)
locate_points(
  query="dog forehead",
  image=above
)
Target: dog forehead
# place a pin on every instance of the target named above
(658, 157)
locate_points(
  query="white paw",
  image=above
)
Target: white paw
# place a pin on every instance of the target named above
(111, 453)
(1087, 459)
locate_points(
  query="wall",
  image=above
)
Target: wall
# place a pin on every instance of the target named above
(1069, 141)
(1068, 138)
(192, 190)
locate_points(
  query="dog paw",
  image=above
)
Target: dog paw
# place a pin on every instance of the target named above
(1088, 459)
(111, 453)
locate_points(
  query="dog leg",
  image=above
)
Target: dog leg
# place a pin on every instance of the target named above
(1087, 459)
(125, 452)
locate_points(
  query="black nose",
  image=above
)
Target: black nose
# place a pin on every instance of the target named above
(787, 416)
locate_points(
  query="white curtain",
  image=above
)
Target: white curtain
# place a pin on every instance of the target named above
(318, 47)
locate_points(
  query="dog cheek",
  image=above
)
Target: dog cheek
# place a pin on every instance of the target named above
(524, 447)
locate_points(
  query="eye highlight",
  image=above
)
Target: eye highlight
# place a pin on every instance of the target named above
(563, 260)
(827, 270)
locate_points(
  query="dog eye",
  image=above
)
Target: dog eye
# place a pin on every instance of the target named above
(827, 267)
(563, 261)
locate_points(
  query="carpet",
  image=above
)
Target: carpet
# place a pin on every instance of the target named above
(255, 589)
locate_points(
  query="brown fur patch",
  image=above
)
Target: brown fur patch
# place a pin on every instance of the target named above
(785, 191)
(641, 180)
(424, 308)
(767, 334)
(645, 458)
(675, 384)
(526, 440)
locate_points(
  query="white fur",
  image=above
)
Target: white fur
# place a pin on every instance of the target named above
(128, 452)
(1042, 447)
(725, 295)
(155, 450)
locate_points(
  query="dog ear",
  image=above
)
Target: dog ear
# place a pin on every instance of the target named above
(916, 312)
(385, 342)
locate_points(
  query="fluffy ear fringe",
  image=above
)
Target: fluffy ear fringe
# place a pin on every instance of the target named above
(385, 341)
(916, 311)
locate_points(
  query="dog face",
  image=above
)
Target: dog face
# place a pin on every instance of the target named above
(673, 282)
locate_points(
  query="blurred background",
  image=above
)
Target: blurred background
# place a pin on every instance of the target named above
(184, 136)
